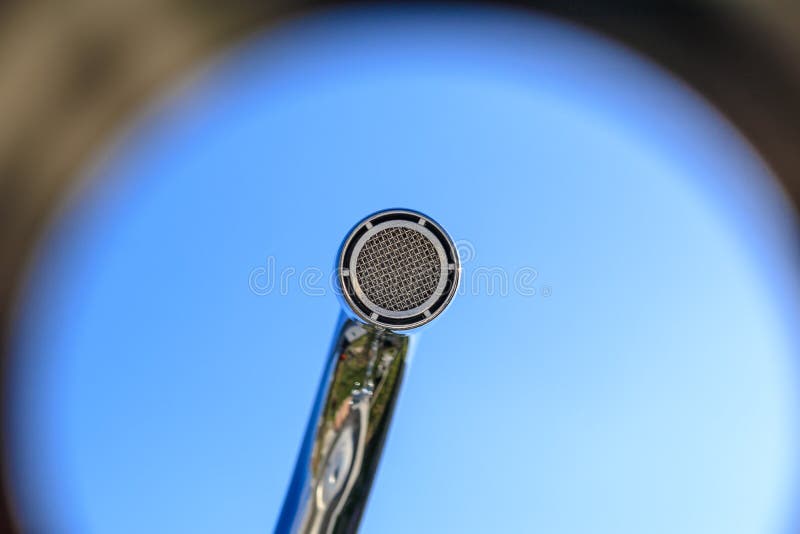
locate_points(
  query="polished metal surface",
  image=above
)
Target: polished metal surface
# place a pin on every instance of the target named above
(398, 268)
(345, 435)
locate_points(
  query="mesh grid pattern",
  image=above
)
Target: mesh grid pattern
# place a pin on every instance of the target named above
(398, 269)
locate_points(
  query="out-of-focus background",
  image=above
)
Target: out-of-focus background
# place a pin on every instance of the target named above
(622, 182)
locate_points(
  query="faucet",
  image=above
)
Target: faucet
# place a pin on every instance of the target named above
(396, 271)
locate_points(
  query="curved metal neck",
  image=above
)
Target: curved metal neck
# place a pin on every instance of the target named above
(345, 435)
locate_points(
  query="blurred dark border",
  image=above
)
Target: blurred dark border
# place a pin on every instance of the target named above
(73, 73)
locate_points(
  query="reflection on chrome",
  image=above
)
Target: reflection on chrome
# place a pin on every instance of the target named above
(397, 270)
(343, 442)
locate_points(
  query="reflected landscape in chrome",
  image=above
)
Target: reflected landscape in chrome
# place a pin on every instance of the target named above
(345, 436)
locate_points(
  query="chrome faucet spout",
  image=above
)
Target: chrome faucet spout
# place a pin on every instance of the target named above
(397, 270)
(346, 433)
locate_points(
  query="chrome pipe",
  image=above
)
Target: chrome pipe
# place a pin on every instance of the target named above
(346, 431)
(396, 271)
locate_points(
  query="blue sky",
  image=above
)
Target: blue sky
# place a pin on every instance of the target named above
(648, 386)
